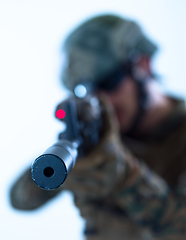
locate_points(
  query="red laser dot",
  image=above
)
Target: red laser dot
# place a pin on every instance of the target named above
(60, 113)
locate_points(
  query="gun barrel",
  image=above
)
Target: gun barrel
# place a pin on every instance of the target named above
(51, 168)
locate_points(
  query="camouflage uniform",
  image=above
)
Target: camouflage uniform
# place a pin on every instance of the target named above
(112, 207)
(147, 208)
(152, 205)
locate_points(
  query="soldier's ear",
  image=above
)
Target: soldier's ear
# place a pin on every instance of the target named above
(143, 67)
(145, 63)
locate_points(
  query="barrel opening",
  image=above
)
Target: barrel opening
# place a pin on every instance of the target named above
(48, 172)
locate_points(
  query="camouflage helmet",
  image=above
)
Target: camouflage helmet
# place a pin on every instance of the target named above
(99, 46)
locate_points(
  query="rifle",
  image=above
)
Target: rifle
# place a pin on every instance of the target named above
(82, 117)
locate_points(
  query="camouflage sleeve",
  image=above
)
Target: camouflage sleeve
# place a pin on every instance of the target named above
(149, 202)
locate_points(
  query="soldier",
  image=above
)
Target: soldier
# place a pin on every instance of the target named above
(132, 184)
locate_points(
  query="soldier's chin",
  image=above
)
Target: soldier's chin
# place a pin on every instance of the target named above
(125, 129)
(125, 124)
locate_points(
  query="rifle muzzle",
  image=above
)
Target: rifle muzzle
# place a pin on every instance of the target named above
(51, 168)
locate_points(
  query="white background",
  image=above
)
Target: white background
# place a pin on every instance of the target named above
(31, 37)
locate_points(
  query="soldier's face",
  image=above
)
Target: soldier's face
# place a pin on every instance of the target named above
(125, 101)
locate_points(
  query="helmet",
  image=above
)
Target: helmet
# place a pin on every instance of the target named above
(101, 44)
